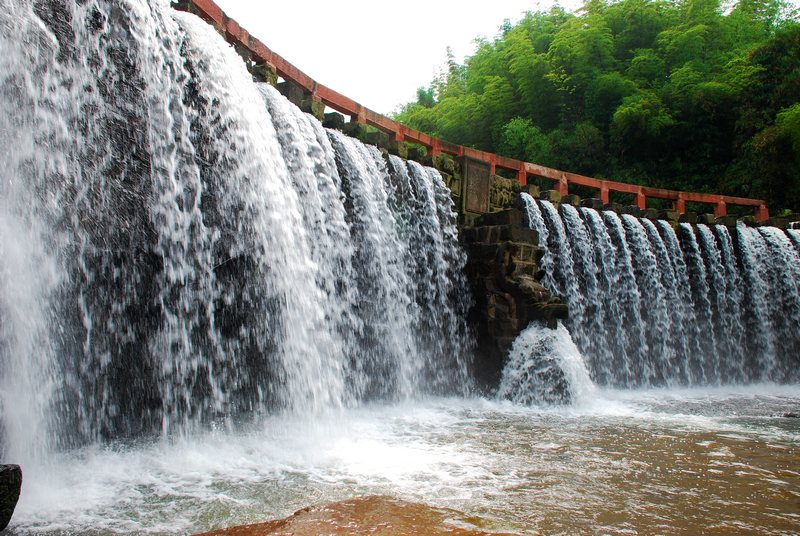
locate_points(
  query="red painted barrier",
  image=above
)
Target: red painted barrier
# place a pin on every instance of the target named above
(260, 53)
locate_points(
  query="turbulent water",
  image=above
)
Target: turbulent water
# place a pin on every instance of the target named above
(653, 305)
(182, 246)
(719, 461)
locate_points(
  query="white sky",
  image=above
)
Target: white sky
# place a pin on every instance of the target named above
(376, 53)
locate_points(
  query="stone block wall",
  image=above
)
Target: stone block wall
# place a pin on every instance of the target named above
(504, 273)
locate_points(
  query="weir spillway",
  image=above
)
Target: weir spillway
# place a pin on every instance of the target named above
(182, 247)
(656, 305)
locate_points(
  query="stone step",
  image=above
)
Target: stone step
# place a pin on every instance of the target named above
(511, 216)
(489, 234)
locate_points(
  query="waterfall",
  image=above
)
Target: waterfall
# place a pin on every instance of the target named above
(182, 247)
(653, 305)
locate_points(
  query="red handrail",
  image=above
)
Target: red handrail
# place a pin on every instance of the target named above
(260, 53)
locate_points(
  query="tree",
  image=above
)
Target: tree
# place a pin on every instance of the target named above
(686, 94)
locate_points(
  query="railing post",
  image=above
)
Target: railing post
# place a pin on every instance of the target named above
(359, 117)
(492, 164)
(436, 147)
(522, 175)
(563, 185)
(720, 209)
(604, 197)
(680, 204)
(762, 213)
(641, 200)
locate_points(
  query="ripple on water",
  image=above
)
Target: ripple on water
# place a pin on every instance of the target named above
(635, 462)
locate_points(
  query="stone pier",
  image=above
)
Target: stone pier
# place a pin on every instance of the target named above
(504, 273)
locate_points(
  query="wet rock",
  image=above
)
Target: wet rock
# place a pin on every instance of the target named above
(748, 220)
(791, 415)
(445, 163)
(780, 223)
(503, 217)
(554, 196)
(10, 485)
(532, 190)
(706, 219)
(367, 515)
(334, 120)
(504, 271)
(729, 221)
(633, 210)
(669, 215)
(593, 203)
(503, 193)
(650, 213)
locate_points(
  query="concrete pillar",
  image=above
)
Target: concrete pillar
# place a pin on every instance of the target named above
(680, 204)
(604, 195)
(563, 185)
(436, 147)
(641, 200)
(359, 117)
(522, 175)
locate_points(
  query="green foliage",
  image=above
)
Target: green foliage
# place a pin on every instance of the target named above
(688, 94)
(642, 117)
(788, 125)
(523, 140)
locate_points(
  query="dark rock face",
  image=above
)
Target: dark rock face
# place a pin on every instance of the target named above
(10, 485)
(504, 274)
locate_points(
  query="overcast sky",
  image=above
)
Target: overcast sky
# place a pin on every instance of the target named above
(376, 53)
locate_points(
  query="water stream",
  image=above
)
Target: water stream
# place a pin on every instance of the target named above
(691, 305)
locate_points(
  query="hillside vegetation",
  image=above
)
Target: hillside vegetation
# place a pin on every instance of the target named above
(692, 95)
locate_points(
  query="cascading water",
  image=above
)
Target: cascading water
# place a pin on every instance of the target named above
(695, 305)
(545, 367)
(182, 246)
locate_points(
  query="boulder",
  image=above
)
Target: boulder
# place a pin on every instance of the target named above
(10, 485)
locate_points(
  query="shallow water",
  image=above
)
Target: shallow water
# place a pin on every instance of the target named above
(622, 462)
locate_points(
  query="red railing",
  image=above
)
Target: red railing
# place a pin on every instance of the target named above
(260, 53)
